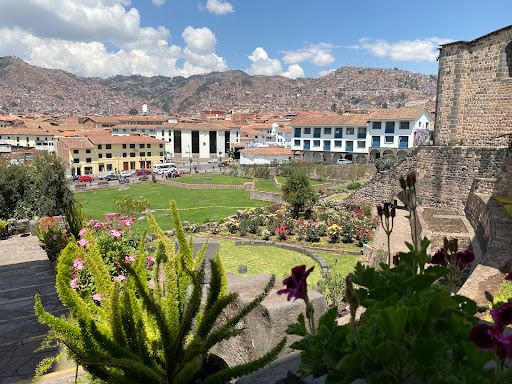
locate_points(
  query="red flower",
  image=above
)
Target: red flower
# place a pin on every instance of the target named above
(296, 286)
(439, 257)
(465, 258)
(502, 316)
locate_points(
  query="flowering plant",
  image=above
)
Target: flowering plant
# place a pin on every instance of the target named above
(282, 232)
(53, 235)
(334, 233)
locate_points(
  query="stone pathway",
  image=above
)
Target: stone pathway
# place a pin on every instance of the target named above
(24, 271)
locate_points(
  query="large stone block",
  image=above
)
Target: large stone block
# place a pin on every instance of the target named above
(212, 248)
(265, 326)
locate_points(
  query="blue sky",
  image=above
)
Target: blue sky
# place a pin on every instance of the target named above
(280, 37)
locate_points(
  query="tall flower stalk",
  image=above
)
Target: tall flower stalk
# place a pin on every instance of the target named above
(385, 213)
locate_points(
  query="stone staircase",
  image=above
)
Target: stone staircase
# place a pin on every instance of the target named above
(24, 271)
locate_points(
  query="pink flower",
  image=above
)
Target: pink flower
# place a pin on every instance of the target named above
(96, 297)
(74, 283)
(82, 231)
(129, 259)
(119, 278)
(115, 233)
(55, 237)
(151, 259)
(78, 264)
(83, 243)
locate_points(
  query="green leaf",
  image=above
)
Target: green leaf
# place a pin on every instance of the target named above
(420, 282)
(476, 358)
(427, 351)
(392, 321)
(298, 328)
(328, 319)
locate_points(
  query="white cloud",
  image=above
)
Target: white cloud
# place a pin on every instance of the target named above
(294, 71)
(158, 2)
(317, 54)
(263, 65)
(405, 50)
(218, 7)
(326, 72)
(101, 38)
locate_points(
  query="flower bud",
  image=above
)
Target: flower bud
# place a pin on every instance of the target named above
(379, 210)
(396, 260)
(350, 293)
(445, 243)
(453, 245)
(489, 296)
(409, 180)
(393, 211)
(402, 183)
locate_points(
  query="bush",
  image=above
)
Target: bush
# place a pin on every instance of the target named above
(129, 333)
(385, 162)
(353, 186)
(54, 237)
(298, 192)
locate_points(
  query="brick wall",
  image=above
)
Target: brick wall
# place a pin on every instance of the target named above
(268, 196)
(474, 93)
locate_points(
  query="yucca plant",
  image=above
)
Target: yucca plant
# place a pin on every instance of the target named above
(142, 335)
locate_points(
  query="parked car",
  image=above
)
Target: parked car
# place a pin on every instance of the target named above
(86, 178)
(125, 174)
(143, 171)
(105, 175)
(223, 164)
(212, 161)
(112, 177)
(343, 161)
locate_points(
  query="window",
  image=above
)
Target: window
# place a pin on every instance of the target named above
(115, 129)
(108, 155)
(361, 144)
(403, 142)
(142, 154)
(327, 145)
(296, 143)
(124, 146)
(361, 133)
(390, 127)
(132, 145)
(317, 132)
(124, 129)
(161, 153)
(108, 146)
(307, 131)
(375, 141)
(161, 145)
(125, 154)
(87, 151)
(327, 131)
(377, 125)
(307, 144)
(132, 154)
(87, 159)
(296, 132)
(141, 145)
(316, 143)
(149, 153)
(338, 133)
(149, 146)
(99, 146)
(426, 125)
(405, 125)
(76, 161)
(75, 151)
(350, 146)
(350, 131)
(100, 156)
(37, 138)
(337, 143)
(389, 139)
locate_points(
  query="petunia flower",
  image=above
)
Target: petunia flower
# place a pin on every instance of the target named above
(465, 258)
(83, 243)
(296, 285)
(502, 316)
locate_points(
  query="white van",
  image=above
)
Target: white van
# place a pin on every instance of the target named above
(162, 168)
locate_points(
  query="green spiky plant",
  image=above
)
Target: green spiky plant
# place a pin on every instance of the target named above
(142, 335)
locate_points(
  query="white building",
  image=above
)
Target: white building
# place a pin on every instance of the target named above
(269, 155)
(329, 138)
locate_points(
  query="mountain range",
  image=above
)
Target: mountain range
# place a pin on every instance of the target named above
(25, 88)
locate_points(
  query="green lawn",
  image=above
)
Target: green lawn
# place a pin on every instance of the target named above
(216, 179)
(507, 204)
(266, 185)
(194, 205)
(343, 264)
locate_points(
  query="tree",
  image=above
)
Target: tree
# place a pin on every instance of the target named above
(333, 107)
(133, 112)
(298, 191)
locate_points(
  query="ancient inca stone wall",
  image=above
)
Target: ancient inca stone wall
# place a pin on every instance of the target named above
(474, 94)
(444, 175)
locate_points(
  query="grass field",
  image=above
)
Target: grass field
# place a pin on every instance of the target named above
(194, 205)
(278, 261)
(216, 179)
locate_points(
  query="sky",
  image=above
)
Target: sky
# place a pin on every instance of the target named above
(300, 38)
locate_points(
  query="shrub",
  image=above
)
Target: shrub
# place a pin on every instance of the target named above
(266, 234)
(334, 233)
(332, 286)
(353, 186)
(131, 207)
(298, 192)
(54, 237)
(127, 333)
(385, 162)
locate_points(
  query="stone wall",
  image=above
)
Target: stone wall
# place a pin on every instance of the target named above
(474, 92)
(268, 196)
(246, 186)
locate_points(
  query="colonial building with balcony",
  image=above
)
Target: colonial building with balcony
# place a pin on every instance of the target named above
(325, 139)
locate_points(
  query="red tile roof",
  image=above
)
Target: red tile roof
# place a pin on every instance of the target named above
(74, 143)
(270, 151)
(407, 113)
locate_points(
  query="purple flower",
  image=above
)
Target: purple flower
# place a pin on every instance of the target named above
(502, 316)
(508, 276)
(439, 257)
(96, 297)
(483, 336)
(55, 237)
(129, 259)
(465, 258)
(296, 285)
(83, 243)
